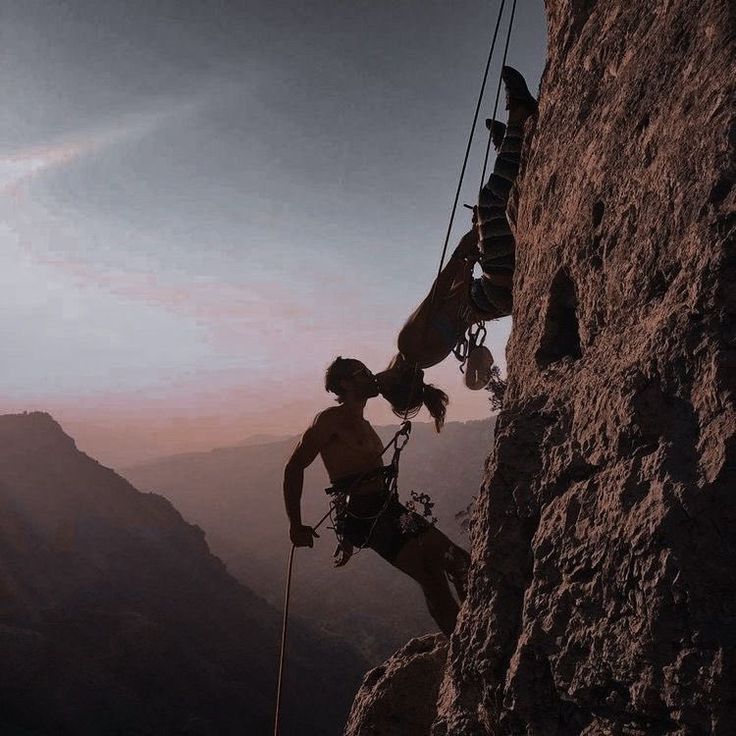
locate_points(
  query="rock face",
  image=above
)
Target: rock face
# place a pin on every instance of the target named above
(399, 698)
(603, 589)
(115, 618)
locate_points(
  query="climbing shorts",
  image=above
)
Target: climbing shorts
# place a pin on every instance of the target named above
(377, 519)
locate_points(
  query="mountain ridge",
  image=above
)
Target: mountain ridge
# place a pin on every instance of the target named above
(115, 615)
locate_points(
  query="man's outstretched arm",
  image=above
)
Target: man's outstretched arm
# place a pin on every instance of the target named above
(303, 456)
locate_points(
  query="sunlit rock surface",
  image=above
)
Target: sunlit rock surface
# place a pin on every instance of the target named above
(603, 588)
(399, 697)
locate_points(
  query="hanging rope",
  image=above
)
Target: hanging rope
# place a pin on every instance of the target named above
(470, 138)
(284, 627)
(498, 94)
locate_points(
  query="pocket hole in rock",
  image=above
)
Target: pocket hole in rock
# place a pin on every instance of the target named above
(561, 338)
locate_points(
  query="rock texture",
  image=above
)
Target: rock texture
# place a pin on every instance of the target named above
(603, 588)
(116, 619)
(399, 698)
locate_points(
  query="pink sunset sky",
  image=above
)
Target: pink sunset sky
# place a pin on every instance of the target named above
(201, 208)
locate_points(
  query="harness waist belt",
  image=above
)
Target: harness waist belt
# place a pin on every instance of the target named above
(350, 482)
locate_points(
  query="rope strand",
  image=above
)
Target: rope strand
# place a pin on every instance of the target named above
(498, 94)
(470, 138)
(284, 627)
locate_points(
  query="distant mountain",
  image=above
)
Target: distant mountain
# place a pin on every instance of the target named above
(235, 495)
(116, 619)
(263, 439)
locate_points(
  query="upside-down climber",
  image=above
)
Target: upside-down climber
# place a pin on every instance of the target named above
(456, 300)
(369, 513)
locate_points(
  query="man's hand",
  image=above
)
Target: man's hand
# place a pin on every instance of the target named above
(343, 553)
(302, 536)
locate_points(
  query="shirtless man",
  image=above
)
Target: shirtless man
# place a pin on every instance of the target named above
(351, 452)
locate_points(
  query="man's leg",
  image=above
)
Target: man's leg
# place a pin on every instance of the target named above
(441, 552)
(413, 560)
(433, 560)
(457, 566)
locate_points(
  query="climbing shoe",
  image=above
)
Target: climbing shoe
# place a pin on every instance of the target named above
(516, 89)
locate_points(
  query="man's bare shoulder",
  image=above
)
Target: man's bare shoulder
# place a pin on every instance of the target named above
(316, 437)
(327, 420)
(328, 416)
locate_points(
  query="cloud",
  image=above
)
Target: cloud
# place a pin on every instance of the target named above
(209, 300)
(19, 167)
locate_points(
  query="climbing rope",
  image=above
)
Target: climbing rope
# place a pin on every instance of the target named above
(498, 93)
(470, 141)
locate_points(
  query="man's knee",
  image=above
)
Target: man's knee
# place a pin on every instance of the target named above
(434, 583)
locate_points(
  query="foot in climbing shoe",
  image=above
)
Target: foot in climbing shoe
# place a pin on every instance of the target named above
(518, 96)
(498, 130)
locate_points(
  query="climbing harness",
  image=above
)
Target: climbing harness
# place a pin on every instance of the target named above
(389, 474)
(422, 505)
(473, 338)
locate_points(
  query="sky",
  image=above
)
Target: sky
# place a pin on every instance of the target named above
(203, 203)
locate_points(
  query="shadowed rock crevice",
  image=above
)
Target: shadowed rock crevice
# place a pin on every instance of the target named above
(561, 337)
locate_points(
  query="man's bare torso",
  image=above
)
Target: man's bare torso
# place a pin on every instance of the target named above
(352, 447)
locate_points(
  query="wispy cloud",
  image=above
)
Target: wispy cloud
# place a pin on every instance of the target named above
(19, 167)
(209, 300)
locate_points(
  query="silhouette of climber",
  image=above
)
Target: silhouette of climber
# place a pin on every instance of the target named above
(370, 516)
(456, 299)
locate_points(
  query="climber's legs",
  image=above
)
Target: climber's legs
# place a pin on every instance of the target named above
(494, 234)
(429, 559)
(457, 566)
(492, 292)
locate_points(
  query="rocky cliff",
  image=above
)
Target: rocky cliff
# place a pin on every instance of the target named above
(116, 618)
(603, 590)
(603, 587)
(399, 697)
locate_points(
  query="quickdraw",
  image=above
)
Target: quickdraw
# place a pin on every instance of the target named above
(474, 337)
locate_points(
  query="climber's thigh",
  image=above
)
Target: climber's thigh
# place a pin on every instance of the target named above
(434, 544)
(412, 560)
